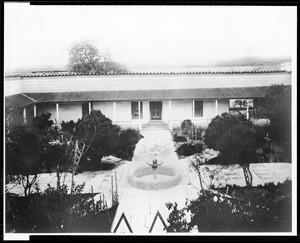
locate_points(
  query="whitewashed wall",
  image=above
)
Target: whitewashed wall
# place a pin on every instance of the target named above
(223, 106)
(146, 111)
(181, 110)
(123, 111)
(68, 112)
(107, 108)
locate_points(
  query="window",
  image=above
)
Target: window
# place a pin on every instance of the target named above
(135, 110)
(198, 108)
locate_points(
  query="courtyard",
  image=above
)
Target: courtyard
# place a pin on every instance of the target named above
(141, 206)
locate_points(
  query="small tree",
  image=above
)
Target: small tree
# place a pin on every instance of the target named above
(276, 106)
(127, 141)
(98, 131)
(234, 138)
(196, 162)
(23, 156)
(13, 118)
(85, 57)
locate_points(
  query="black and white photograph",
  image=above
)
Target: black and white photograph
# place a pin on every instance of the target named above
(149, 120)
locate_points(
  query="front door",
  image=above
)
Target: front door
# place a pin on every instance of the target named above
(155, 110)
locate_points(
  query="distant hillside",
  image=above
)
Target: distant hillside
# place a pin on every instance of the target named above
(249, 61)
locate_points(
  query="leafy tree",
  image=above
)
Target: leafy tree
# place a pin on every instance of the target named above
(13, 117)
(127, 141)
(276, 106)
(23, 156)
(98, 129)
(220, 125)
(234, 138)
(85, 57)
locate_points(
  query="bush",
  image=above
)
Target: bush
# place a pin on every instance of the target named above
(179, 139)
(237, 145)
(185, 127)
(220, 125)
(233, 136)
(262, 209)
(191, 130)
(127, 141)
(55, 211)
(189, 149)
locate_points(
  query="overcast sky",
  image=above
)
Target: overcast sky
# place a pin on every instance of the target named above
(40, 36)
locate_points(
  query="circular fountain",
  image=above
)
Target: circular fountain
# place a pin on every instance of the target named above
(163, 170)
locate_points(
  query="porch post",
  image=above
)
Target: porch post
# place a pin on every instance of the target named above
(57, 112)
(170, 110)
(24, 114)
(139, 107)
(247, 111)
(114, 112)
(170, 116)
(193, 111)
(34, 110)
(216, 107)
(90, 107)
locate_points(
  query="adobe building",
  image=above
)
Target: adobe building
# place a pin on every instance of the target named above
(137, 100)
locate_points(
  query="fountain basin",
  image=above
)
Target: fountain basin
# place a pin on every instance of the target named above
(141, 177)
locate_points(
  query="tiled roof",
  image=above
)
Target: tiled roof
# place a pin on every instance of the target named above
(19, 100)
(197, 70)
(122, 95)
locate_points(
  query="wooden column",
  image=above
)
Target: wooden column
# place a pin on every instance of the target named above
(170, 110)
(139, 107)
(115, 112)
(57, 112)
(24, 114)
(90, 107)
(247, 111)
(193, 111)
(216, 107)
(34, 110)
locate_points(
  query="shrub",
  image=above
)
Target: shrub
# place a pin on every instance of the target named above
(179, 139)
(185, 126)
(98, 132)
(55, 211)
(233, 136)
(196, 133)
(127, 141)
(189, 149)
(220, 125)
(237, 145)
(265, 208)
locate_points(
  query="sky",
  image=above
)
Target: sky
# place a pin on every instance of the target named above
(39, 37)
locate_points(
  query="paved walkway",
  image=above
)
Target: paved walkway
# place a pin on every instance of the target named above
(140, 206)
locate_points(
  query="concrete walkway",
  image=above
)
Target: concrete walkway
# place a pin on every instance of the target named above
(141, 206)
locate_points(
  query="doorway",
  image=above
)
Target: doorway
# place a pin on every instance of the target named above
(155, 110)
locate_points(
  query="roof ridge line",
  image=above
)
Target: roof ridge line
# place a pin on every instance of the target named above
(28, 97)
(256, 70)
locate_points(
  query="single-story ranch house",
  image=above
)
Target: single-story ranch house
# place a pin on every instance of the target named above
(137, 99)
